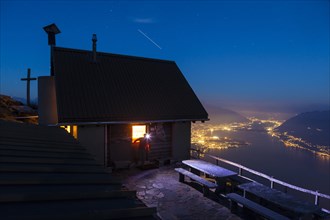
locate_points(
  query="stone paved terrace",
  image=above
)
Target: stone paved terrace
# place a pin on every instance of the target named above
(174, 200)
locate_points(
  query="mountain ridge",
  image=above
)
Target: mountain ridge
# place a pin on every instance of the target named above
(313, 127)
(221, 115)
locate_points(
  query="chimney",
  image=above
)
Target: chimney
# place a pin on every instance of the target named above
(51, 30)
(94, 39)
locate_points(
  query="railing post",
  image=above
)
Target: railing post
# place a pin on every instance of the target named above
(240, 171)
(217, 162)
(317, 197)
(271, 183)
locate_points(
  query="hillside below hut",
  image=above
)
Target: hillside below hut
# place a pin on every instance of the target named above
(13, 110)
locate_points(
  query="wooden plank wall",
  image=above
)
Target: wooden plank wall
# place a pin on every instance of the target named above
(161, 141)
(121, 135)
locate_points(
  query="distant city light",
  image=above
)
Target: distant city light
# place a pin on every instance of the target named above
(203, 136)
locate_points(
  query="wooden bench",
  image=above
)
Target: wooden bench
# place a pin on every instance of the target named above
(320, 214)
(248, 204)
(206, 184)
(292, 205)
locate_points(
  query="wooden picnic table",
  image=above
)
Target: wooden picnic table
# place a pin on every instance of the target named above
(209, 168)
(280, 199)
(215, 171)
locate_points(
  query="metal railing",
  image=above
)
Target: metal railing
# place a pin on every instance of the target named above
(270, 178)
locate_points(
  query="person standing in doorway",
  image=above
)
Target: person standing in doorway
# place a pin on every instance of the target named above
(143, 148)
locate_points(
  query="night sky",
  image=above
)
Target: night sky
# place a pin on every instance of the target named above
(244, 55)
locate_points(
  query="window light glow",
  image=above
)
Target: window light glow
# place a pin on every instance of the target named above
(71, 129)
(138, 131)
(67, 128)
(74, 131)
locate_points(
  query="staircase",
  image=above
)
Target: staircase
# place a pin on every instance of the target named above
(46, 174)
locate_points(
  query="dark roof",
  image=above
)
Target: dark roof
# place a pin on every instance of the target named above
(118, 88)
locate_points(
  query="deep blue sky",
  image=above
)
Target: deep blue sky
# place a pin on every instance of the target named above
(236, 54)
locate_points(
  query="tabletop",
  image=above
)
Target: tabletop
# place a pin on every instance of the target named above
(279, 198)
(209, 168)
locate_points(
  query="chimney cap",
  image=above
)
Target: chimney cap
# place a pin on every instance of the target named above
(52, 28)
(94, 38)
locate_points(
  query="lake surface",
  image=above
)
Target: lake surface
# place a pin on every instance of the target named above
(269, 155)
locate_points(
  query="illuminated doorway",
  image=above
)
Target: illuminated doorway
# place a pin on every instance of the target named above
(138, 131)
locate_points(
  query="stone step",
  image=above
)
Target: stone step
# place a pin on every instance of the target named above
(41, 144)
(59, 192)
(40, 131)
(14, 126)
(38, 142)
(119, 208)
(13, 159)
(37, 137)
(42, 148)
(26, 167)
(44, 153)
(57, 178)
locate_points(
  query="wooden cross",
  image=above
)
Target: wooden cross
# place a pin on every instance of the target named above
(28, 79)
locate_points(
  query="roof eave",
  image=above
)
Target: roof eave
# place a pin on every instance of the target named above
(128, 122)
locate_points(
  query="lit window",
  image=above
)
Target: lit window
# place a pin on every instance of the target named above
(74, 131)
(67, 128)
(71, 129)
(138, 131)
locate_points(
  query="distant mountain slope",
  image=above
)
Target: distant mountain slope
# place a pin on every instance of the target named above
(221, 115)
(313, 127)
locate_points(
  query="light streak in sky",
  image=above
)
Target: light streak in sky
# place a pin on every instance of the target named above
(141, 32)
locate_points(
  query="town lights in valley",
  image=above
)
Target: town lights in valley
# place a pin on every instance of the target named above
(203, 136)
